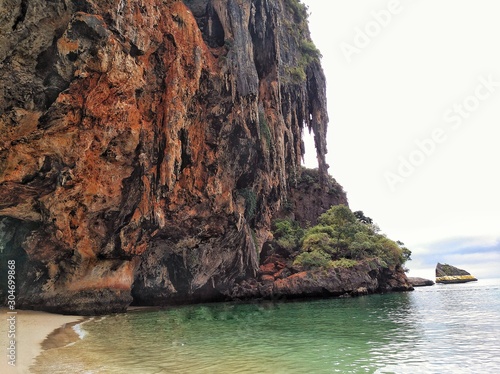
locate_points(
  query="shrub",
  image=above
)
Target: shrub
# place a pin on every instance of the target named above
(341, 236)
(264, 129)
(299, 10)
(309, 52)
(310, 260)
(309, 176)
(337, 215)
(287, 233)
(250, 202)
(319, 241)
(343, 263)
(297, 74)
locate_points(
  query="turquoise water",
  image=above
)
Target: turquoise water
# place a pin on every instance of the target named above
(438, 329)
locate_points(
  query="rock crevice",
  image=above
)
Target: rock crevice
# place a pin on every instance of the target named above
(146, 145)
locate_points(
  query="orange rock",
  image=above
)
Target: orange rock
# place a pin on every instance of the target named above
(267, 278)
(126, 133)
(267, 269)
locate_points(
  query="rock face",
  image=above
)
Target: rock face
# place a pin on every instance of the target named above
(449, 274)
(420, 282)
(277, 280)
(146, 145)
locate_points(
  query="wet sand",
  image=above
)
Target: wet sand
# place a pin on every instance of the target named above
(31, 332)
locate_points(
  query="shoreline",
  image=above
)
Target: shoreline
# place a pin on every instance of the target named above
(32, 328)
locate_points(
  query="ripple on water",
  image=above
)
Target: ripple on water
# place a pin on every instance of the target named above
(431, 330)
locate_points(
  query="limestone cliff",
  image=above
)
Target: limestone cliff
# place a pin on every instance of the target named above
(146, 145)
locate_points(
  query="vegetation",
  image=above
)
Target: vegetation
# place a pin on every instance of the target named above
(342, 238)
(250, 202)
(307, 51)
(265, 131)
(309, 176)
(299, 10)
(287, 234)
(308, 54)
(311, 260)
(297, 74)
(343, 263)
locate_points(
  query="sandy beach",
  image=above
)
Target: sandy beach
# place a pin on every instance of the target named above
(31, 329)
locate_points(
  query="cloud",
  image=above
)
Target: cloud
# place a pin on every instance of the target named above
(478, 255)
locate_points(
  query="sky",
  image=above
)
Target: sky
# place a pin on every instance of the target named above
(413, 89)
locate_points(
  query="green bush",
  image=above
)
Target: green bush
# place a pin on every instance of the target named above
(287, 233)
(264, 129)
(318, 241)
(341, 236)
(309, 52)
(343, 263)
(337, 216)
(299, 10)
(311, 260)
(250, 202)
(309, 176)
(297, 74)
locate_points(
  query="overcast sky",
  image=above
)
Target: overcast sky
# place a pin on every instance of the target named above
(414, 134)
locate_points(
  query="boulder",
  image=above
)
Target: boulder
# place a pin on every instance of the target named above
(449, 274)
(367, 277)
(420, 282)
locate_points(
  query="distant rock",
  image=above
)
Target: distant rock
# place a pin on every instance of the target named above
(420, 282)
(449, 274)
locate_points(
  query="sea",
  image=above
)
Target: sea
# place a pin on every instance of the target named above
(437, 329)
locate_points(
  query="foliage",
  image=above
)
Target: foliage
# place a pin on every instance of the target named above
(338, 215)
(297, 74)
(287, 233)
(405, 252)
(250, 202)
(318, 242)
(309, 52)
(288, 205)
(309, 176)
(299, 10)
(310, 260)
(360, 216)
(343, 263)
(342, 236)
(265, 131)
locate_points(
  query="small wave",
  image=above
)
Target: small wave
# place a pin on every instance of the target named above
(79, 331)
(77, 328)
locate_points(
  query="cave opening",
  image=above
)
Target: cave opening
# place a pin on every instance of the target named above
(13, 233)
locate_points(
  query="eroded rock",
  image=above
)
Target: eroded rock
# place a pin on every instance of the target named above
(450, 274)
(145, 146)
(420, 282)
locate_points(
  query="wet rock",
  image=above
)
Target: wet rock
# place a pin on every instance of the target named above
(367, 277)
(420, 282)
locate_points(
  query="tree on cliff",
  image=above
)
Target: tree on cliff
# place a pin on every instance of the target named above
(360, 216)
(340, 235)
